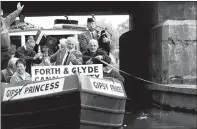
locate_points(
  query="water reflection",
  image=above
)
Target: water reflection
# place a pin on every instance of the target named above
(156, 118)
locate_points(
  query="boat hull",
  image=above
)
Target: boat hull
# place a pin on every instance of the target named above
(74, 109)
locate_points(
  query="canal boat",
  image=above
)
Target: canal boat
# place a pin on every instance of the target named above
(71, 102)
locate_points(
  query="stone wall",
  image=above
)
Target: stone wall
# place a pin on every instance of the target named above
(173, 43)
(179, 10)
(173, 58)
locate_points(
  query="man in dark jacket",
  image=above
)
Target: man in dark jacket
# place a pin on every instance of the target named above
(91, 33)
(29, 54)
(93, 55)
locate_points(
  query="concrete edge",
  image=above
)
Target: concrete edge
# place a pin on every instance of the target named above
(175, 22)
(182, 89)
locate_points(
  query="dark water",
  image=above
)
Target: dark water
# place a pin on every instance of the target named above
(156, 118)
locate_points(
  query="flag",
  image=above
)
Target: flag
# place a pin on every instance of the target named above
(39, 36)
(50, 42)
(39, 39)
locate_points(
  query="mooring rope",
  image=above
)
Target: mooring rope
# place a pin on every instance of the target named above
(103, 63)
(123, 71)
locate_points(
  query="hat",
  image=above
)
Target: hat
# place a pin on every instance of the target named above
(91, 20)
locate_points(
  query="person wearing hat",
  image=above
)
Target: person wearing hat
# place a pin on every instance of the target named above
(5, 38)
(91, 33)
(26, 52)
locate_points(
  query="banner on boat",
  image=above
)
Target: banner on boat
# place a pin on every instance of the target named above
(34, 89)
(51, 72)
(106, 87)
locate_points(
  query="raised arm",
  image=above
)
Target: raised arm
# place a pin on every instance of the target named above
(53, 57)
(11, 17)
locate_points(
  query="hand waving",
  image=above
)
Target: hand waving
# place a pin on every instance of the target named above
(19, 7)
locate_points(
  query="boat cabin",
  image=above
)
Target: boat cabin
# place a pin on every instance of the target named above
(61, 29)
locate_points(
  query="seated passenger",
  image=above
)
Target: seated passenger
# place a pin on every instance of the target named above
(105, 45)
(45, 56)
(63, 56)
(93, 55)
(75, 55)
(26, 52)
(20, 73)
(9, 71)
(109, 72)
(21, 23)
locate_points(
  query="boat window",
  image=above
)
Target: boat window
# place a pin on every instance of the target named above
(54, 36)
(16, 40)
(61, 36)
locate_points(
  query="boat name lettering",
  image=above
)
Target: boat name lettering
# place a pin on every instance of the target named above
(50, 72)
(105, 87)
(45, 78)
(116, 88)
(43, 87)
(95, 75)
(47, 71)
(13, 92)
(34, 89)
(100, 85)
(85, 69)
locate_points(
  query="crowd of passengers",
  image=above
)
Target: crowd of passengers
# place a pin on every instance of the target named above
(93, 48)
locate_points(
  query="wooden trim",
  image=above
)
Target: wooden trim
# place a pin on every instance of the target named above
(102, 109)
(42, 96)
(99, 124)
(102, 94)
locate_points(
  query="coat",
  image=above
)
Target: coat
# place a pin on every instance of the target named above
(106, 58)
(59, 56)
(17, 78)
(6, 75)
(21, 52)
(84, 39)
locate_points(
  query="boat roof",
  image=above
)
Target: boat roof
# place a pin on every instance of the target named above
(47, 32)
